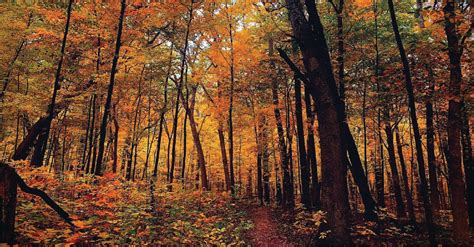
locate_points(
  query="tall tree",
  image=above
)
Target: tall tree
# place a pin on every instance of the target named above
(179, 86)
(288, 197)
(304, 167)
(40, 147)
(456, 182)
(414, 122)
(310, 37)
(110, 90)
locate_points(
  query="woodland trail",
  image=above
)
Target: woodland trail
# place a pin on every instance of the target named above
(265, 231)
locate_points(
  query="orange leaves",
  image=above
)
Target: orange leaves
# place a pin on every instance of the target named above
(363, 3)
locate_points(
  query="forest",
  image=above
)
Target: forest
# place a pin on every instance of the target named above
(236, 122)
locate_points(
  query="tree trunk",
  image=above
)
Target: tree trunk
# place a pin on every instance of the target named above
(103, 126)
(414, 122)
(311, 151)
(456, 182)
(393, 165)
(197, 141)
(40, 147)
(288, 197)
(179, 86)
(231, 102)
(162, 115)
(8, 184)
(468, 163)
(258, 140)
(304, 167)
(433, 177)
(225, 165)
(410, 207)
(318, 67)
(116, 139)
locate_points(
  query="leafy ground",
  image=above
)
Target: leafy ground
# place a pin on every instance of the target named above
(111, 210)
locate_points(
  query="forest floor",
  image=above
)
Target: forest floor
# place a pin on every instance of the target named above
(266, 230)
(110, 210)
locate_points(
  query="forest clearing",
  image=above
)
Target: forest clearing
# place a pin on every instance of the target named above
(236, 122)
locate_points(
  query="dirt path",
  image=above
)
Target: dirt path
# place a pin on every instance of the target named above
(265, 232)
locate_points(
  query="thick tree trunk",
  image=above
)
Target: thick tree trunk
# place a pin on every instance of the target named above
(318, 67)
(103, 126)
(8, 184)
(414, 122)
(456, 182)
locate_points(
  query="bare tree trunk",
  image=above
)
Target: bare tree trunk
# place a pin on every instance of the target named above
(103, 126)
(162, 115)
(414, 122)
(179, 86)
(433, 177)
(393, 165)
(197, 142)
(304, 167)
(310, 38)
(456, 182)
(410, 207)
(288, 197)
(116, 139)
(468, 163)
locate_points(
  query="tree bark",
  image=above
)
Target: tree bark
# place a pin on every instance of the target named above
(179, 87)
(393, 165)
(311, 151)
(414, 122)
(103, 126)
(410, 207)
(304, 167)
(40, 147)
(287, 197)
(162, 115)
(468, 163)
(197, 142)
(433, 177)
(318, 66)
(456, 182)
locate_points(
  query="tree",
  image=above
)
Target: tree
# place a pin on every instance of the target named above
(103, 126)
(40, 146)
(456, 182)
(310, 37)
(414, 122)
